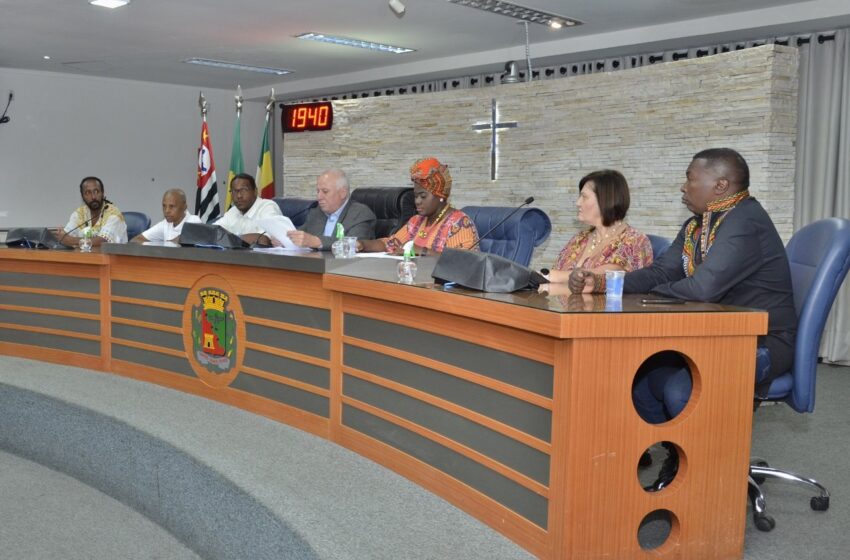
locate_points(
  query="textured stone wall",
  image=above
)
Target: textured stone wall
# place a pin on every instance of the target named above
(647, 122)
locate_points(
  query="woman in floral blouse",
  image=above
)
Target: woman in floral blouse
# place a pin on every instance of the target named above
(609, 243)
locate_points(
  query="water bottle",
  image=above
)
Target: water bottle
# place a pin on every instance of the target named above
(338, 249)
(338, 246)
(85, 240)
(407, 268)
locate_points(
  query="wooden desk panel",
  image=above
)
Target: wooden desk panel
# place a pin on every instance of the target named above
(52, 307)
(283, 335)
(516, 411)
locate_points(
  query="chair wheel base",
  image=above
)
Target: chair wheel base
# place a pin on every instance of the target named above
(820, 503)
(759, 479)
(764, 522)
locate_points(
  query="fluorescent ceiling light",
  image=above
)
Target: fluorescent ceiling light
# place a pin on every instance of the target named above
(237, 66)
(109, 3)
(517, 11)
(321, 37)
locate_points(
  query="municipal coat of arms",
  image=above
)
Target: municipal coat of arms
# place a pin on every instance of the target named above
(214, 341)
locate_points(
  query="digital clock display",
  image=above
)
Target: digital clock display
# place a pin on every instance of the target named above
(300, 117)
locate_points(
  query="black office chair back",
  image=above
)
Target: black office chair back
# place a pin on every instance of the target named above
(393, 206)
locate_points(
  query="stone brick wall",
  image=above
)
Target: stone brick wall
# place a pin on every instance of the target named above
(647, 122)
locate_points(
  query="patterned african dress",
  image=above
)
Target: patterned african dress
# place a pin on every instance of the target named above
(454, 230)
(630, 250)
(110, 224)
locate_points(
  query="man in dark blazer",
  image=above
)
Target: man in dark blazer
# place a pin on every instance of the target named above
(334, 207)
(728, 252)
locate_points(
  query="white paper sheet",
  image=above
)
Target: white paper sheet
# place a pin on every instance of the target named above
(276, 227)
(280, 250)
(378, 256)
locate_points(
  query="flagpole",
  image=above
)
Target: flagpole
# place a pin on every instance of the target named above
(265, 170)
(206, 197)
(202, 103)
(270, 103)
(235, 150)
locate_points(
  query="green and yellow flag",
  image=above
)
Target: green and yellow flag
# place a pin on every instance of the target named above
(265, 172)
(236, 164)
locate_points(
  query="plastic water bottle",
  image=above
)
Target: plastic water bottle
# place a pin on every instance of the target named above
(407, 268)
(85, 240)
(338, 246)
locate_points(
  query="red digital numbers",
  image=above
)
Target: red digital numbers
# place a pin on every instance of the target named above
(307, 116)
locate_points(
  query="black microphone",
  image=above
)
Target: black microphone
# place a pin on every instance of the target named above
(527, 201)
(256, 242)
(4, 119)
(64, 235)
(304, 210)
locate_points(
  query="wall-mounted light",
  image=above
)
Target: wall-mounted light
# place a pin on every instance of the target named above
(511, 75)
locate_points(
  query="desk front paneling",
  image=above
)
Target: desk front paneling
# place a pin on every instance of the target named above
(282, 335)
(462, 406)
(518, 414)
(51, 307)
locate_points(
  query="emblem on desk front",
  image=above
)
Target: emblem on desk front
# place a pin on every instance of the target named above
(213, 331)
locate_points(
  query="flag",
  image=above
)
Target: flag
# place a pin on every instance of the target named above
(236, 165)
(206, 199)
(265, 173)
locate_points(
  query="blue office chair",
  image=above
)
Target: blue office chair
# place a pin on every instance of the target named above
(819, 255)
(659, 244)
(517, 237)
(296, 209)
(137, 222)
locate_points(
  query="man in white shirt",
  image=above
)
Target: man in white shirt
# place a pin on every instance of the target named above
(175, 213)
(242, 217)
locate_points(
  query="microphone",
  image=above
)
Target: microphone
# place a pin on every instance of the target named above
(87, 222)
(256, 242)
(304, 210)
(5, 118)
(527, 201)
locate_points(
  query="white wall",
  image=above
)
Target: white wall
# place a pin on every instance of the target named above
(140, 138)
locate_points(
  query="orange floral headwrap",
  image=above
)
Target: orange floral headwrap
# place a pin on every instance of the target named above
(432, 176)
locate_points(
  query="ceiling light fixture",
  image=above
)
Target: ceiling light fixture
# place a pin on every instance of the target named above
(348, 42)
(519, 12)
(111, 4)
(397, 7)
(46, 57)
(237, 66)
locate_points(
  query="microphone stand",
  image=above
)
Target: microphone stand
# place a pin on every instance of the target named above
(527, 201)
(87, 222)
(304, 210)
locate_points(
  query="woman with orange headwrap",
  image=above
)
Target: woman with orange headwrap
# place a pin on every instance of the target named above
(436, 224)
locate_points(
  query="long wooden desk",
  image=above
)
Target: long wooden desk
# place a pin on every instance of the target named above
(514, 407)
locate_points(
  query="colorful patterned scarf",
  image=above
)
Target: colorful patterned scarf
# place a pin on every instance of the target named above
(717, 211)
(432, 176)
